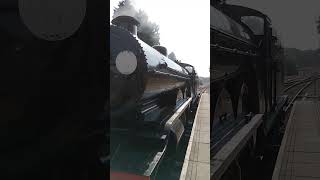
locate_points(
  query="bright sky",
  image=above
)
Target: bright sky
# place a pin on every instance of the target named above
(184, 28)
(294, 20)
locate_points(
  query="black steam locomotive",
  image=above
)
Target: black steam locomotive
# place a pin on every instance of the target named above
(246, 74)
(242, 62)
(150, 98)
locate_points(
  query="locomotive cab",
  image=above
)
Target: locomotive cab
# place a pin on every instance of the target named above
(258, 23)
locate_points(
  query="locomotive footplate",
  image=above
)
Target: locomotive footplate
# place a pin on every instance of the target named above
(138, 154)
(139, 157)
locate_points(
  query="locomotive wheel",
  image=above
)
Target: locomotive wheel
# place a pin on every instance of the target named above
(262, 103)
(243, 108)
(262, 100)
(223, 109)
(186, 93)
(180, 95)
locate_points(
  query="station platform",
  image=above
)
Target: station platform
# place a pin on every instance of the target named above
(196, 164)
(299, 154)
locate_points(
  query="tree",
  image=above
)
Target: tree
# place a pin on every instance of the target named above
(147, 31)
(125, 7)
(290, 67)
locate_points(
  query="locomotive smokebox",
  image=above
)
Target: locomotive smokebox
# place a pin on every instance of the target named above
(127, 22)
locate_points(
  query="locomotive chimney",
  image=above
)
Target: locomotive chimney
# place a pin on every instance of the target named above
(129, 23)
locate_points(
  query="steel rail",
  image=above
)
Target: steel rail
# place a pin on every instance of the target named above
(296, 96)
(310, 78)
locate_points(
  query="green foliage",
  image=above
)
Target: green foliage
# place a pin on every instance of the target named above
(147, 31)
(303, 58)
(290, 67)
(204, 80)
(295, 59)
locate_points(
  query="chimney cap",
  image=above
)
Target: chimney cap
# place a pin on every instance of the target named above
(128, 19)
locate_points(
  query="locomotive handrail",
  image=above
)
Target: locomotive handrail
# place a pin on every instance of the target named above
(225, 156)
(237, 11)
(236, 51)
(233, 37)
(227, 76)
(174, 118)
(167, 74)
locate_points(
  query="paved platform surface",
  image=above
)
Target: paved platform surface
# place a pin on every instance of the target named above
(197, 160)
(299, 154)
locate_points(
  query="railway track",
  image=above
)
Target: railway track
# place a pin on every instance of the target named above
(293, 80)
(305, 90)
(294, 97)
(296, 88)
(203, 89)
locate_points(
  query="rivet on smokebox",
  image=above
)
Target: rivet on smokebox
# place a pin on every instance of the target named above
(52, 20)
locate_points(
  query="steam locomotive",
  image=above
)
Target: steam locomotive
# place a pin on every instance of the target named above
(246, 70)
(243, 62)
(150, 98)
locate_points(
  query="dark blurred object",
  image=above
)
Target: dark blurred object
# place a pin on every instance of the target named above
(217, 2)
(51, 95)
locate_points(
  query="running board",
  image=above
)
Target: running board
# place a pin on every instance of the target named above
(174, 125)
(229, 152)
